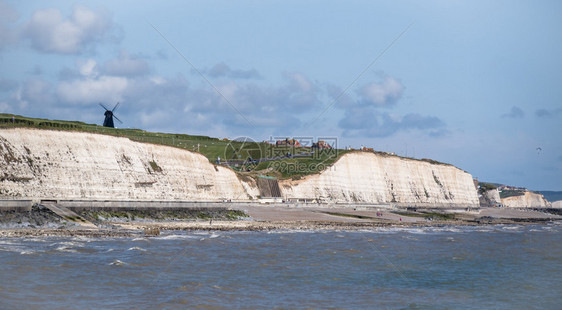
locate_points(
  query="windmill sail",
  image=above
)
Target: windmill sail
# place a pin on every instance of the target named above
(108, 121)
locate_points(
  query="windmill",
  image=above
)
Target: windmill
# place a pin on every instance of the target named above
(108, 122)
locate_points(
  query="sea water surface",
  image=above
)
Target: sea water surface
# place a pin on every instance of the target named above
(492, 267)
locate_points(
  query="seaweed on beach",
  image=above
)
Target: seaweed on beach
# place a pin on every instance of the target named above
(129, 215)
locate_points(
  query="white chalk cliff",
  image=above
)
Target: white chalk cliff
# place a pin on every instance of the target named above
(44, 164)
(77, 165)
(370, 177)
(527, 200)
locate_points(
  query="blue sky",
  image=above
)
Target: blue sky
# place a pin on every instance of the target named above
(471, 83)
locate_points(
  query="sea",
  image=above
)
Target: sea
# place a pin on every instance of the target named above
(450, 267)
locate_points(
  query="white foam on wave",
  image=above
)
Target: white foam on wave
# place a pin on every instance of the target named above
(514, 229)
(36, 239)
(447, 229)
(381, 230)
(176, 237)
(136, 248)
(409, 238)
(7, 242)
(171, 237)
(200, 233)
(293, 231)
(17, 249)
(416, 231)
(66, 249)
(82, 239)
(484, 230)
(511, 227)
(67, 244)
(117, 263)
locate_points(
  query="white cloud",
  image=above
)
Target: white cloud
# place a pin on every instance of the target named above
(49, 32)
(228, 90)
(223, 70)
(382, 94)
(158, 80)
(126, 65)
(365, 121)
(300, 81)
(91, 90)
(88, 68)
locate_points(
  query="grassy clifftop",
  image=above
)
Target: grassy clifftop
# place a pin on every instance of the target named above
(248, 157)
(210, 147)
(243, 156)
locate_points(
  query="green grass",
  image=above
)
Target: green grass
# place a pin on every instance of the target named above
(296, 168)
(154, 214)
(487, 186)
(513, 193)
(210, 147)
(155, 166)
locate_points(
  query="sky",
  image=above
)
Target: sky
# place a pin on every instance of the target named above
(476, 84)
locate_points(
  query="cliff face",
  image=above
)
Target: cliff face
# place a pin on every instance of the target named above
(72, 165)
(489, 198)
(369, 177)
(528, 200)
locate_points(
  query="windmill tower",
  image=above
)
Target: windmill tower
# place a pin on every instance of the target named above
(108, 122)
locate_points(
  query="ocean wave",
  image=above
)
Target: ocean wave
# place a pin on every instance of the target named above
(295, 231)
(16, 249)
(136, 248)
(511, 227)
(416, 231)
(67, 243)
(175, 237)
(117, 263)
(66, 249)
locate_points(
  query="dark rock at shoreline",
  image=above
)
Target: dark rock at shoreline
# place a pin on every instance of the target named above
(141, 215)
(39, 216)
